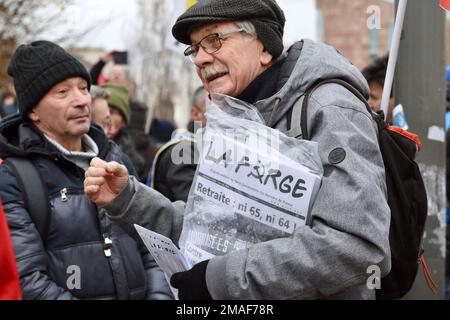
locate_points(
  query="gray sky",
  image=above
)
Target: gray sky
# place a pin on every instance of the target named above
(121, 16)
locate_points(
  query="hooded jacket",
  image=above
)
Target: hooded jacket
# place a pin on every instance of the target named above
(71, 263)
(350, 217)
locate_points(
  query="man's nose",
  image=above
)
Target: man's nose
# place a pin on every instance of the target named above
(203, 58)
(82, 98)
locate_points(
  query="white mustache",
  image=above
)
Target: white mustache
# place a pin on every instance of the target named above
(211, 71)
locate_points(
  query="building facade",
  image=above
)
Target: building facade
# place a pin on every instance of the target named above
(350, 27)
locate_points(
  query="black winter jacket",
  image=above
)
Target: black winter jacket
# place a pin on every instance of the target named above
(172, 180)
(75, 244)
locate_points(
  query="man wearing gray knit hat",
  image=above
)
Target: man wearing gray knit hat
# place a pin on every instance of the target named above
(237, 48)
(66, 247)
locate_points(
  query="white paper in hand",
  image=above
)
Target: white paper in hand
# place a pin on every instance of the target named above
(165, 253)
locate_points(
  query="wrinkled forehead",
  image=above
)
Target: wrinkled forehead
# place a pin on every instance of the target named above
(200, 32)
(74, 81)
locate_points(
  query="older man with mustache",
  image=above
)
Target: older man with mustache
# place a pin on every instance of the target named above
(237, 48)
(79, 253)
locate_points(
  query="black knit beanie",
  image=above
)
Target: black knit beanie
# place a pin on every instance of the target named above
(37, 67)
(265, 15)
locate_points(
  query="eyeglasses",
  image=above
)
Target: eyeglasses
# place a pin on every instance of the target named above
(210, 44)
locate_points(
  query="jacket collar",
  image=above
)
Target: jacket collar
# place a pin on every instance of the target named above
(21, 139)
(264, 86)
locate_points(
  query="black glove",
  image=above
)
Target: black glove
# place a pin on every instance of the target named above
(191, 284)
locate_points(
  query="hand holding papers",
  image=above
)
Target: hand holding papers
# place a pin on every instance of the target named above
(253, 184)
(165, 253)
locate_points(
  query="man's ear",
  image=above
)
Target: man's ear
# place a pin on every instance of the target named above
(33, 116)
(266, 58)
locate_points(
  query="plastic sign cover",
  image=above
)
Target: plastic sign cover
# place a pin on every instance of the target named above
(253, 184)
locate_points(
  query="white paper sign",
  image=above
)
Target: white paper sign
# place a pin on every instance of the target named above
(275, 192)
(253, 184)
(165, 253)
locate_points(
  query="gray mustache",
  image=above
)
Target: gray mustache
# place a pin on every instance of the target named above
(209, 72)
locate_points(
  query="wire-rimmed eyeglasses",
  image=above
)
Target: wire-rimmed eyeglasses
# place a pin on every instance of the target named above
(210, 44)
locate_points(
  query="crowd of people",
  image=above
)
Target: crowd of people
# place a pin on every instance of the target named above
(102, 173)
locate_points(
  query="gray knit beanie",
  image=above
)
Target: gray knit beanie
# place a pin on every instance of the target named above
(37, 67)
(265, 15)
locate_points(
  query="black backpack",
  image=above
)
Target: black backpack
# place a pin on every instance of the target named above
(34, 191)
(407, 197)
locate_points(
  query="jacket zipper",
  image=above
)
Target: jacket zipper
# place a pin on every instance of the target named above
(63, 193)
(107, 242)
(107, 245)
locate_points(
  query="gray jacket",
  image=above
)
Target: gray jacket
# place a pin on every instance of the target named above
(351, 217)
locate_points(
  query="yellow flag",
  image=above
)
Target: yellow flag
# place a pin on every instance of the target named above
(189, 3)
(180, 7)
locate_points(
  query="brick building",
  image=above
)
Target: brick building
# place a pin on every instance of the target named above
(344, 26)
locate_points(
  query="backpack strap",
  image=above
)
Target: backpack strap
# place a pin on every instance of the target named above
(297, 118)
(294, 125)
(34, 190)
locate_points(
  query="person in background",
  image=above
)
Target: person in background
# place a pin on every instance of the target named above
(375, 74)
(100, 109)
(119, 107)
(161, 131)
(171, 174)
(237, 48)
(117, 75)
(8, 102)
(137, 130)
(83, 255)
(128, 121)
(198, 110)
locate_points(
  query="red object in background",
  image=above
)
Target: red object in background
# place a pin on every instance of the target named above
(9, 277)
(101, 79)
(445, 4)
